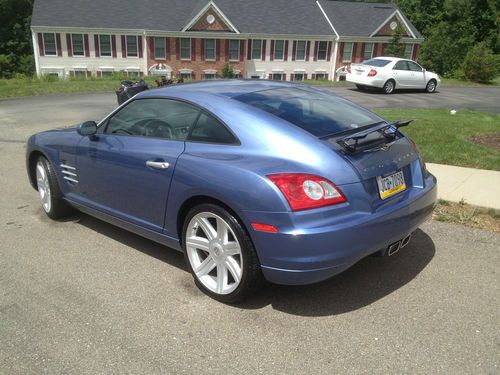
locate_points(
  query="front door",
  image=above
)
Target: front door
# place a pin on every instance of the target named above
(402, 74)
(126, 169)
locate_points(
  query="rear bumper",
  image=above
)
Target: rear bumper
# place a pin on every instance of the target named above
(309, 254)
(366, 81)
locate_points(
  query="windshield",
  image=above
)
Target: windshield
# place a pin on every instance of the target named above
(377, 62)
(318, 113)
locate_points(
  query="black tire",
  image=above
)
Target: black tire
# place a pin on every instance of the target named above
(431, 86)
(55, 207)
(389, 87)
(251, 274)
(361, 87)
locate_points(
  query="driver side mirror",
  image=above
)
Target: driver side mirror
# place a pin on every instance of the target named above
(87, 128)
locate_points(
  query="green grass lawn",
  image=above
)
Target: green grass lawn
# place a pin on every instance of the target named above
(12, 88)
(445, 139)
(451, 82)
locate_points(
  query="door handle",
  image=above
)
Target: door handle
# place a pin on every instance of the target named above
(157, 164)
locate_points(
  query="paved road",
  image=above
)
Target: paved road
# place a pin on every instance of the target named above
(474, 98)
(82, 296)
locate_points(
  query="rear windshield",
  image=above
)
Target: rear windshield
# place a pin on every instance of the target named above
(318, 113)
(376, 62)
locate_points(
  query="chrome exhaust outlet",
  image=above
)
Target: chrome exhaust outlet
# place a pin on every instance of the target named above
(394, 248)
(405, 241)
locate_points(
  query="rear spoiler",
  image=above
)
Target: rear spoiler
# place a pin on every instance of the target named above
(350, 142)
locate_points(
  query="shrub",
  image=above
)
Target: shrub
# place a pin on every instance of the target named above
(479, 64)
(227, 71)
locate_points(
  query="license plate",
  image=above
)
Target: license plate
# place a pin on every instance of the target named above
(390, 185)
(359, 72)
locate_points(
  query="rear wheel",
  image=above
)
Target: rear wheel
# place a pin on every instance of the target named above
(389, 87)
(219, 254)
(431, 86)
(48, 189)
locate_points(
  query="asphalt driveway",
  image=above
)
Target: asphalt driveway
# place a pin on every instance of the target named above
(485, 99)
(83, 296)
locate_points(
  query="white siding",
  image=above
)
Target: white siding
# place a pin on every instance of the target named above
(264, 68)
(66, 64)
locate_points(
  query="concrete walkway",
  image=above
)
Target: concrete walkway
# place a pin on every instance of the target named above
(478, 187)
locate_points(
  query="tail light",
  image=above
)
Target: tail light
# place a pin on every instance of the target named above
(306, 191)
(372, 73)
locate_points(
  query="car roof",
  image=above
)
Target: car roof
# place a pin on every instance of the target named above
(221, 87)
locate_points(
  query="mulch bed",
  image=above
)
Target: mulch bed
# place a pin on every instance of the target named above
(491, 140)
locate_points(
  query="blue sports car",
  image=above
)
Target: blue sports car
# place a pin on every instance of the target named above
(252, 180)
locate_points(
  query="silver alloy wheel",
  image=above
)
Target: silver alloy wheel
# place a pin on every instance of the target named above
(214, 253)
(389, 87)
(431, 86)
(42, 180)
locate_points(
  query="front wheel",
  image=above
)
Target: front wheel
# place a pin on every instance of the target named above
(48, 189)
(431, 87)
(389, 87)
(219, 254)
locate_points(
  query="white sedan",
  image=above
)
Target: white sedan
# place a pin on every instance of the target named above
(392, 73)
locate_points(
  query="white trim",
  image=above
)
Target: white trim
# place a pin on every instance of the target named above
(209, 71)
(328, 19)
(251, 49)
(55, 44)
(299, 70)
(274, 50)
(100, 48)
(294, 58)
(190, 58)
(72, 45)
(204, 41)
(398, 14)
(204, 10)
(326, 52)
(334, 60)
(239, 50)
(320, 71)
(136, 46)
(364, 49)
(352, 50)
(154, 47)
(277, 70)
(36, 51)
(186, 71)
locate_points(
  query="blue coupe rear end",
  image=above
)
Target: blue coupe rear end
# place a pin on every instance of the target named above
(302, 183)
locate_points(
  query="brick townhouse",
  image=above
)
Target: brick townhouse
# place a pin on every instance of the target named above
(278, 39)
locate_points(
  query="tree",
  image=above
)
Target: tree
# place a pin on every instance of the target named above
(479, 64)
(227, 71)
(395, 47)
(16, 51)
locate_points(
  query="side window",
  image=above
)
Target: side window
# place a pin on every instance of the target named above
(208, 129)
(414, 67)
(157, 118)
(401, 65)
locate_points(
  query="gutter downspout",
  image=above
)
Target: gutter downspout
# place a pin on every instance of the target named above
(337, 37)
(35, 52)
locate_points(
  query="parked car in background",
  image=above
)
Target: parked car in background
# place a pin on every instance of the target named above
(252, 180)
(392, 73)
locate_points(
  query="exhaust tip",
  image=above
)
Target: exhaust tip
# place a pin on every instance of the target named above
(405, 241)
(394, 248)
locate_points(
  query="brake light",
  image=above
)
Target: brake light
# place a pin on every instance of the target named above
(307, 191)
(372, 73)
